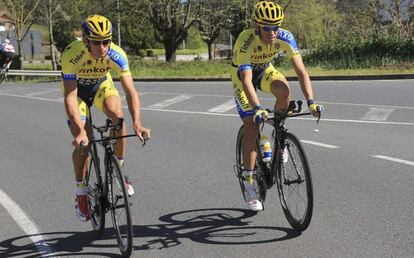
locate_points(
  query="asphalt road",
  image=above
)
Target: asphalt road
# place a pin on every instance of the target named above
(187, 201)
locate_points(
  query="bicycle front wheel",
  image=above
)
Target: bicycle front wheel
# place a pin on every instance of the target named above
(95, 193)
(3, 71)
(120, 209)
(294, 183)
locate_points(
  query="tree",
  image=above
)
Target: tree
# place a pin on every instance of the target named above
(21, 14)
(311, 21)
(137, 30)
(212, 20)
(50, 8)
(240, 19)
(71, 14)
(172, 20)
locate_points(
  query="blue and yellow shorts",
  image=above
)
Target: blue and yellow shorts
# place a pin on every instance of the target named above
(262, 80)
(93, 92)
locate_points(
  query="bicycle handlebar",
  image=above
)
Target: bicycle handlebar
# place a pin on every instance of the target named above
(118, 126)
(294, 109)
(108, 125)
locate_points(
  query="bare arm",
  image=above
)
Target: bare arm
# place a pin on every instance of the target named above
(134, 106)
(72, 111)
(303, 77)
(248, 87)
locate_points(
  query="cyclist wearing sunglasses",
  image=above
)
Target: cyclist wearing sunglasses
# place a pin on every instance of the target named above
(86, 81)
(252, 69)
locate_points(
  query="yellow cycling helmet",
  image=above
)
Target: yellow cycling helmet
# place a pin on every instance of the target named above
(268, 13)
(97, 27)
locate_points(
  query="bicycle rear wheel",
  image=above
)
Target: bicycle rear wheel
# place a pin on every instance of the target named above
(260, 179)
(120, 209)
(95, 192)
(294, 183)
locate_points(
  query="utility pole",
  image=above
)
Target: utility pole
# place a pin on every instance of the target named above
(119, 22)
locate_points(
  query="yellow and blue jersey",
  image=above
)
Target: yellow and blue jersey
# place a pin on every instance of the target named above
(78, 64)
(252, 53)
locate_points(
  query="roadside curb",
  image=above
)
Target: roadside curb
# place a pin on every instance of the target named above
(290, 78)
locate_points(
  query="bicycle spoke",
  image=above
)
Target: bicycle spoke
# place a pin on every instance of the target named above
(120, 210)
(294, 185)
(94, 184)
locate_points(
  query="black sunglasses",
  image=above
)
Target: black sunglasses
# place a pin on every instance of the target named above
(98, 42)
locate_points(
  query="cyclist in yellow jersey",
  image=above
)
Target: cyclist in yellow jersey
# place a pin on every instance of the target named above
(253, 52)
(86, 81)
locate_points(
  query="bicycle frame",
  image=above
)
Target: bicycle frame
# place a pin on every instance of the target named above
(107, 143)
(279, 135)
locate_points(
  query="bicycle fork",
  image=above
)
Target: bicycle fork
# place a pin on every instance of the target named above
(285, 147)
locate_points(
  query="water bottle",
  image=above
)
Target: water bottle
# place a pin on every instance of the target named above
(265, 149)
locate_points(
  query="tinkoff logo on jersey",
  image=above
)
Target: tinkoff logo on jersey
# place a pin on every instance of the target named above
(95, 70)
(242, 99)
(247, 43)
(77, 58)
(264, 56)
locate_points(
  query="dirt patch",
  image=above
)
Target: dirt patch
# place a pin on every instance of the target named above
(402, 66)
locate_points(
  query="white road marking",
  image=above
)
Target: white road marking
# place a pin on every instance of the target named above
(359, 121)
(402, 161)
(377, 114)
(226, 106)
(230, 115)
(26, 224)
(170, 102)
(363, 105)
(320, 144)
(42, 92)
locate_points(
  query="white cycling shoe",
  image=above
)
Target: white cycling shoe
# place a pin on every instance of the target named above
(285, 155)
(252, 201)
(129, 187)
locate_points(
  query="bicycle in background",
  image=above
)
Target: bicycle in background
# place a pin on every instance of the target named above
(288, 168)
(4, 69)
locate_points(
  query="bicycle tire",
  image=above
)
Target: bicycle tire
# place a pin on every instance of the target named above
(95, 193)
(120, 207)
(3, 71)
(298, 216)
(261, 182)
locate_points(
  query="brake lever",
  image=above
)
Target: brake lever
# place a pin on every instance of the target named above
(299, 105)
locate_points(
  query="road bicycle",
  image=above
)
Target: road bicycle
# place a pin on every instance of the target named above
(107, 192)
(288, 168)
(4, 69)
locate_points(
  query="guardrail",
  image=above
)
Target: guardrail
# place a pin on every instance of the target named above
(34, 73)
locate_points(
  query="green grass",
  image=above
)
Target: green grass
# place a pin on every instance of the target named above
(30, 66)
(159, 52)
(182, 69)
(221, 69)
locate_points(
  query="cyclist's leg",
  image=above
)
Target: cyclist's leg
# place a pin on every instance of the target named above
(80, 165)
(246, 112)
(249, 150)
(107, 99)
(275, 83)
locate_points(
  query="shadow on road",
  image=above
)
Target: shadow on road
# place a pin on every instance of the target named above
(216, 226)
